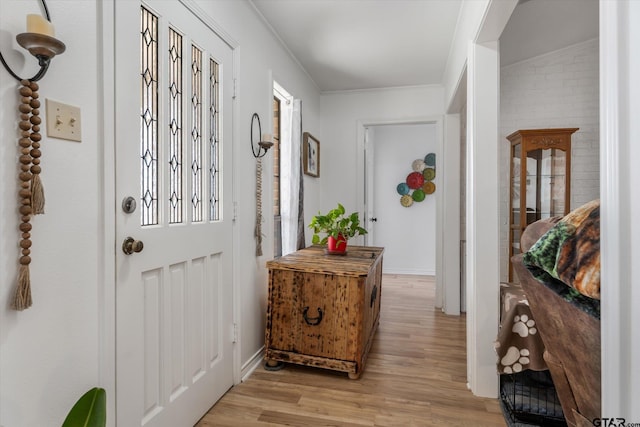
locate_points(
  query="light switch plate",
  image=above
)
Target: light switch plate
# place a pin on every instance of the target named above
(63, 121)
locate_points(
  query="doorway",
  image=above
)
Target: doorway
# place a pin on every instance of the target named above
(408, 233)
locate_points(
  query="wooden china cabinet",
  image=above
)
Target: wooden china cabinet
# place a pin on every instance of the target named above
(540, 179)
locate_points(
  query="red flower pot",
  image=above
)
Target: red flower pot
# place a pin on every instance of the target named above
(336, 244)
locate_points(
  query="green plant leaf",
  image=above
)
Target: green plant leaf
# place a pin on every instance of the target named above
(89, 411)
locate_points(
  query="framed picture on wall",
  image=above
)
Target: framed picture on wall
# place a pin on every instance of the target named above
(310, 155)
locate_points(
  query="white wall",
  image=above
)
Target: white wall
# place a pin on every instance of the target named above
(53, 352)
(555, 90)
(49, 353)
(407, 234)
(344, 115)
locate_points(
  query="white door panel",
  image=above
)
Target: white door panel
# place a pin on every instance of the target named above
(174, 320)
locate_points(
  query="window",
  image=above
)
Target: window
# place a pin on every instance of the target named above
(163, 118)
(277, 219)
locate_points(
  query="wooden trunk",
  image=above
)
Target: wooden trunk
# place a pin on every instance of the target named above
(324, 309)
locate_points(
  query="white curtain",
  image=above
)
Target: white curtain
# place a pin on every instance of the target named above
(290, 137)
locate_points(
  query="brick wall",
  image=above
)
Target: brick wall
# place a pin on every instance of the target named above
(555, 90)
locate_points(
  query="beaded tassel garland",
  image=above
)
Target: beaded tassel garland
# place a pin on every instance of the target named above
(31, 193)
(258, 229)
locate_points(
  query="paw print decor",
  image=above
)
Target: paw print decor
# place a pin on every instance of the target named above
(515, 360)
(418, 183)
(518, 346)
(524, 326)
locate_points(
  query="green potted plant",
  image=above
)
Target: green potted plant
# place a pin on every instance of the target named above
(338, 227)
(89, 411)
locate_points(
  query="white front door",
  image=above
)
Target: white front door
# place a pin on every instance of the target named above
(174, 319)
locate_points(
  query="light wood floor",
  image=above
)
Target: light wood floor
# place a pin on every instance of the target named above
(415, 376)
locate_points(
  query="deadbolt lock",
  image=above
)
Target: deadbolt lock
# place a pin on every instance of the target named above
(129, 204)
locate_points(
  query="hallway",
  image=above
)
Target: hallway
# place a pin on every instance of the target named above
(414, 376)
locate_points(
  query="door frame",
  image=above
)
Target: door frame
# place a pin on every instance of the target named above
(447, 291)
(108, 245)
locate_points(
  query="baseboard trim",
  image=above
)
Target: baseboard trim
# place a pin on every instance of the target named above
(251, 365)
(415, 272)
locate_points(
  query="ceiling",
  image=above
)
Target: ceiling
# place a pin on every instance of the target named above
(362, 44)
(541, 26)
(366, 44)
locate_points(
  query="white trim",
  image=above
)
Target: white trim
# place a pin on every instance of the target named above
(280, 92)
(495, 19)
(482, 214)
(459, 97)
(252, 364)
(620, 340)
(207, 20)
(483, 276)
(409, 271)
(381, 89)
(442, 289)
(106, 255)
(237, 265)
(612, 373)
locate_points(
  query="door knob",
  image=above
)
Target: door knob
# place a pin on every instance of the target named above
(131, 245)
(373, 219)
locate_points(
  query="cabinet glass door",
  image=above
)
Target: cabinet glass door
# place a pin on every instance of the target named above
(517, 170)
(545, 183)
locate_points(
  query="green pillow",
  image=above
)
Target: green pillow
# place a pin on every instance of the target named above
(570, 250)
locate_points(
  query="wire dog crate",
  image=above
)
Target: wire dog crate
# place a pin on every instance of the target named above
(528, 398)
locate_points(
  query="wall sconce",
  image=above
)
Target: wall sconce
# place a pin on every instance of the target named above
(39, 40)
(265, 142)
(41, 43)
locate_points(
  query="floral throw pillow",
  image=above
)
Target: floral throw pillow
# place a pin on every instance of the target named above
(570, 250)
